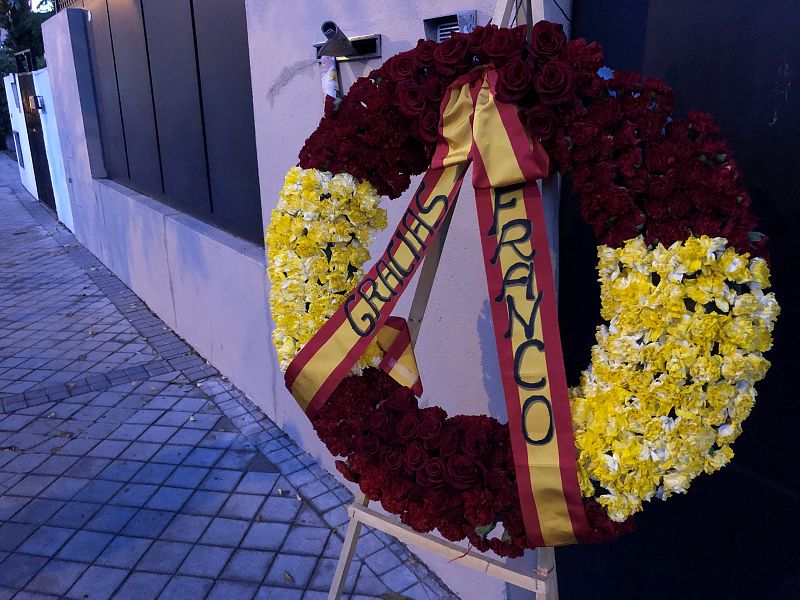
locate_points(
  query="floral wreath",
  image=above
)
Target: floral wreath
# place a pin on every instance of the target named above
(682, 276)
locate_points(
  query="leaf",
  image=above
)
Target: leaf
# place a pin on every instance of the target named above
(394, 596)
(288, 577)
(754, 236)
(506, 537)
(484, 530)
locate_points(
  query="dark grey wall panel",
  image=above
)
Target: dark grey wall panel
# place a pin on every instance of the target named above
(228, 107)
(111, 130)
(173, 67)
(130, 52)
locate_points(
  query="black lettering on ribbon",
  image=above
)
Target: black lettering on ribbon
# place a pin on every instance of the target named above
(526, 280)
(384, 271)
(527, 230)
(500, 205)
(519, 356)
(366, 317)
(414, 230)
(514, 314)
(530, 403)
(436, 201)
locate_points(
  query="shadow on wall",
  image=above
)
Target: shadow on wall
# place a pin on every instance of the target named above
(492, 380)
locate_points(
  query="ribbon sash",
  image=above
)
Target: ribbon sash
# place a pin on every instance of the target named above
(477, 129)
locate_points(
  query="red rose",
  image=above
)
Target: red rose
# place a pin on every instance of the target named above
(423, 53)
(451, 442)
(452, 54)
(410, 99)
(368, 445)
(415, 457)
(427, 126)
(432, 474)
(513, 80)
(554, 83)
(548, 39)
(461, 473)
(399, 67)
(585, 58)
(407, 427)
(434, 88)
(401, 400)
(379, 423)
(540, 121)
(475, 442)
(503, 44)
(392, 458)
(431, 425)
(479, 37)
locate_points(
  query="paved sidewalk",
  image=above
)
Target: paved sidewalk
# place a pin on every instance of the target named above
(129, 468)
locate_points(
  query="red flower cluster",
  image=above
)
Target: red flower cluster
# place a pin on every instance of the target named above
(636, 170)
(452, 474)
(366, 136)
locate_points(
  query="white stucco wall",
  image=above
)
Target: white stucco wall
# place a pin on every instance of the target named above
(18, 125)
(41, 80)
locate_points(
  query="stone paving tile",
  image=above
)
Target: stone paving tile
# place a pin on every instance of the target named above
(130, 468)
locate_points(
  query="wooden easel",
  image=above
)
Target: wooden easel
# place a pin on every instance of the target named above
(542, 580)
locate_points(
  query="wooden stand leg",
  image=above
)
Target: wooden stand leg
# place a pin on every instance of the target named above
(546, 565)
(348, 550)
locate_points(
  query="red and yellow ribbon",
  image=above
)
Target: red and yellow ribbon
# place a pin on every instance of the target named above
(476, 128)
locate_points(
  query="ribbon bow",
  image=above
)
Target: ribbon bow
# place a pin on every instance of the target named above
(477, 129)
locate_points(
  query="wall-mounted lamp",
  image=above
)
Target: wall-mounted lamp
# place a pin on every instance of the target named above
(344, 48)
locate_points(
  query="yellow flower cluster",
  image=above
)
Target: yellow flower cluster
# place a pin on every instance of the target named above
(672, 373)
(317, 241)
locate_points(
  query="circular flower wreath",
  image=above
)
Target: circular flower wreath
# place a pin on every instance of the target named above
(682, 276)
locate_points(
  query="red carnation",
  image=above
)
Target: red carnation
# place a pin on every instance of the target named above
(548, 39)
(346, 471)
(418, 518)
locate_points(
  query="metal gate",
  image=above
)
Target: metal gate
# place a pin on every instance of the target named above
(33, 125)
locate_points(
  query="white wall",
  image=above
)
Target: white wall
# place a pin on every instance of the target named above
(18, 125)
(41, 80)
